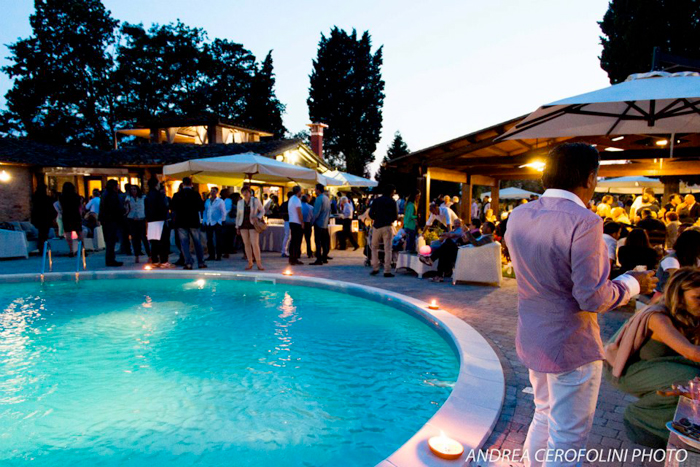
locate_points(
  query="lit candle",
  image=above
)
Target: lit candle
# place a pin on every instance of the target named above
(288, 272)
(433, 305)
(444, 447)
(148, 267)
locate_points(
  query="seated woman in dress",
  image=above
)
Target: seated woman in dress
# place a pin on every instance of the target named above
(637, 251)
(657, 347)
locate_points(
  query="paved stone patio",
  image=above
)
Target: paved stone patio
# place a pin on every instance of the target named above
(490, 310)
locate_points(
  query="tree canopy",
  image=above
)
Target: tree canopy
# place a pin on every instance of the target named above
(632, 28)
(346, 92)
(81, 75)
(391, 176)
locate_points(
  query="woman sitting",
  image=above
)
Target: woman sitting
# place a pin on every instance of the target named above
(637, 251)
(657, 347)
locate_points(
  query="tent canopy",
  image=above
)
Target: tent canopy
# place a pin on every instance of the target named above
(651, 103)
(635, 185)
(512, 193)
(233, 170)
(350, 180)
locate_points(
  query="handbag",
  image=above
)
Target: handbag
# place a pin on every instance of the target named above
(259, 225)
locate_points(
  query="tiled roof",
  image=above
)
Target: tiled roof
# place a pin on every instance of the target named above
(22, 151)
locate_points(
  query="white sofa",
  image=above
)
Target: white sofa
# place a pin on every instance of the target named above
(480, 264)
(13, 244)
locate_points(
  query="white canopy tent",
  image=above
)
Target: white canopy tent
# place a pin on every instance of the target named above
(513, 193)
(350, 180)
(648, 103)
(635, 185)
(234, 170)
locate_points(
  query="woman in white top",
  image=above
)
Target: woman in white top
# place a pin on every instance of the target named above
(686, 253)
(249, 210)
(136, 221)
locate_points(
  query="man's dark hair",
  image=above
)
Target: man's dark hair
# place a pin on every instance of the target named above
(569, 165)
(672, 216)
(611, 228)
(388, 190)
(296, 189)
(687, 247)
(476, 222)
(320, 187)
(490, 225)
(152, 183)
(646, 212)
(112, 185)
(187, 181)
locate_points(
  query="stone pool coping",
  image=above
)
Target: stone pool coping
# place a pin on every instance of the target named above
(468, 415)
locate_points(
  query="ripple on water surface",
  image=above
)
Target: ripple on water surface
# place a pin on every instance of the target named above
(172, 372)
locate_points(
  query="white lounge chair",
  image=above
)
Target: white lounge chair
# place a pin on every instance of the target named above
(480, 264)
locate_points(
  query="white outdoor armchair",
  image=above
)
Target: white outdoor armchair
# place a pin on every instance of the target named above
(479, 264)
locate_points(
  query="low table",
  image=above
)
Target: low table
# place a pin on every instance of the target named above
(684, 410)
(411, 261)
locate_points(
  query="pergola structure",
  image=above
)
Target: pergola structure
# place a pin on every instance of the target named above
(477, 159)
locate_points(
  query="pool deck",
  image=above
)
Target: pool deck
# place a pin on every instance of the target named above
(490, 310)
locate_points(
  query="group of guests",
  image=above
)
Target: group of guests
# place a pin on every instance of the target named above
(138, 221)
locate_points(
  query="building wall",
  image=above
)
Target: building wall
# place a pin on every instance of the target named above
(15, 194)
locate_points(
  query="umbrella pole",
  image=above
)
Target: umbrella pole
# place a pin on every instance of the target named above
(673, 142)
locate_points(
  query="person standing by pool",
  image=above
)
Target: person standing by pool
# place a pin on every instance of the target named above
(111, 218)
(284, 211)
(136, 221)
(383, 212)
(346, 210)
(322, 212)
(186, 205)
(71, 211)
(296, 226)
(42, 214)
(158, 234)
(307, 212)
(248, 210)
(214, 216)
(410, 221)
(562, 284)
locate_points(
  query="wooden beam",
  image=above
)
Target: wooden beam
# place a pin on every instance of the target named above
(466, 208)
(482, 180)
(446, 175)
(495, 193)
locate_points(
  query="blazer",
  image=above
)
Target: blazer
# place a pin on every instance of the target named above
(256, 210)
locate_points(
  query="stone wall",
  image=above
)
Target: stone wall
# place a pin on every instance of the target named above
(15, 194)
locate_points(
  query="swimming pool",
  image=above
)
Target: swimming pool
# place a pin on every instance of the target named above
(203, 371)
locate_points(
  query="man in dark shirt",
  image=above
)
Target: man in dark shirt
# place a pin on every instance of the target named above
(383, 212)
(186, 205)
(656, 230)
(111, 217)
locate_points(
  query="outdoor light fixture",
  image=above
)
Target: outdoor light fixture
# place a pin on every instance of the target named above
(433, 305)
(287, 272)
(616, 162)
(662, 142)
(613, 149)
(537, 165)
(425, 250)
(618, 138)
(280, 158)
(445, 448)
(4, 177)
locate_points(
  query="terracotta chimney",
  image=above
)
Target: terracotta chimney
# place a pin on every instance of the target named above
(317, 137)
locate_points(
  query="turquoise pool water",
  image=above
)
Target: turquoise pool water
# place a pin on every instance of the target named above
(172, 372)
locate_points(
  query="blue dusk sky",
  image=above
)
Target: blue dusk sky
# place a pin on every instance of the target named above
(450, 67)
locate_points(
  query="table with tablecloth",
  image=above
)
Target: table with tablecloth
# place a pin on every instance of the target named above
(271, 239)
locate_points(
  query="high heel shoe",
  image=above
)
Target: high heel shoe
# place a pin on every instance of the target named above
(260, 268)
(249, 267)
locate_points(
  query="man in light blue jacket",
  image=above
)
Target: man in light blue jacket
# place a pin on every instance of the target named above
(322, 212)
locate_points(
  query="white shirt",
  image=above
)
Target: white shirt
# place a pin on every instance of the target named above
(94, 205)
(449, 215)
(611, 244)
(293, 207)
(347, 211)
(214, 211)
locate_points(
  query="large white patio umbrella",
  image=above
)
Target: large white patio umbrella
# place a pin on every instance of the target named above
(512, 193)
(635, 185)
(649, 103)
(350, 180)
(233, 170)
